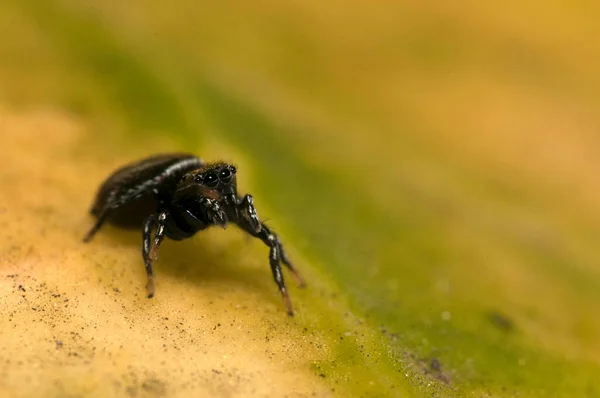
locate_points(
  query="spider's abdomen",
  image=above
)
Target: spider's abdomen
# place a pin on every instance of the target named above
(136, 190)
(132, 215)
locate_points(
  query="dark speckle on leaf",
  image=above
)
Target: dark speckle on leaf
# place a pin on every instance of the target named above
(436, 365)
(500, 321)
(434, 368)
(154, 386)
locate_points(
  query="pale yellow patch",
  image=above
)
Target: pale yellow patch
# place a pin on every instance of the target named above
(74, 320)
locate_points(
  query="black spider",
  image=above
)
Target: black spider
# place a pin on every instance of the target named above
(178, 195)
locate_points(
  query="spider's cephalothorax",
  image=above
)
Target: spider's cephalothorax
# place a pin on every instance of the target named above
(177, 195)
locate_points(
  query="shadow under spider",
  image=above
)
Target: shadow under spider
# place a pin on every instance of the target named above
(199, 260)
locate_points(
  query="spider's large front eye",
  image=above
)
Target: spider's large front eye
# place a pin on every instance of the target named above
(225, 175)
(211, 179)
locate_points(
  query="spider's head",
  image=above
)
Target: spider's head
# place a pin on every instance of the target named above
(215, 180)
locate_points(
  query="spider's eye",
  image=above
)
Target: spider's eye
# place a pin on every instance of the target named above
(198, 179)
(211, 179)
(233, 169)
(225, 174)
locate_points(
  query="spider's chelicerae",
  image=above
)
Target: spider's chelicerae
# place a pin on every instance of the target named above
(177, 195)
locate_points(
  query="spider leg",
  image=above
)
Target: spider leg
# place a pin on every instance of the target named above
(271, 241)
(150, 247)
(246, 205)
(286, 261)
(101, 218)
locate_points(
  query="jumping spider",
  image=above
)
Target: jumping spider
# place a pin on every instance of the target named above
(177, 195)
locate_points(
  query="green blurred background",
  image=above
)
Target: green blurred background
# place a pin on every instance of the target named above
(435, 163)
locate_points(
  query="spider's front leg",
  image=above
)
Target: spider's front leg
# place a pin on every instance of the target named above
(246, 206)
(250, 223)
(150, 246)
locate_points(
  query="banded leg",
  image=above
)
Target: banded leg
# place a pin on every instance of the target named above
(150, 247)
(250, 216)
(246, 205)
(286, 261)
(271, 240)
